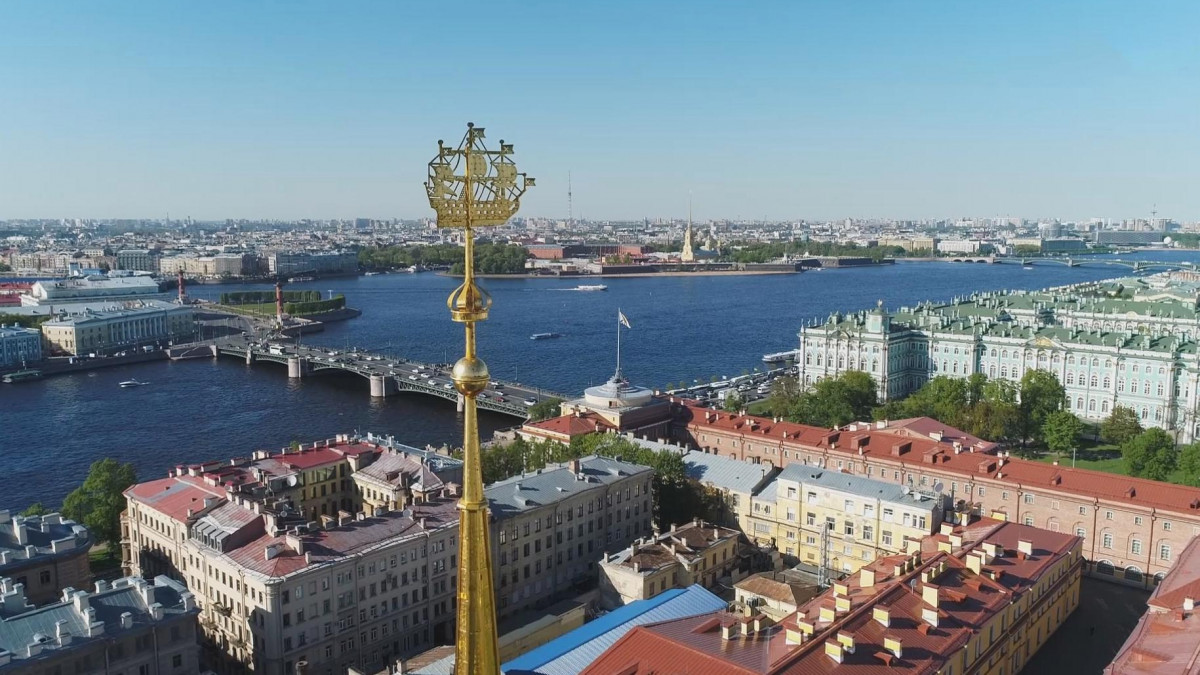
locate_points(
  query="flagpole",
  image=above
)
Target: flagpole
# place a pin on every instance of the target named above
(618, 343)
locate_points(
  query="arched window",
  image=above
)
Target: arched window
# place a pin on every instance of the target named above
(1107, 382)
(841, 362)
(1091, 405)
(1162, 371)
(1132, 573)
(992, 370)
(1004, 371)
(1103, 406)
(808, 358)
(1106, 568)
(1071, 360)
(818, 359)
(1079, 403)
(1146, 387)
(993, 352)
(1135, 368)
(1160, 388)
(1095, 362)
(1004, 353)
(955, 367)
(1145, 412)
(1107, 363)
(1070, 377)
(1158, 414)
(1095, 380)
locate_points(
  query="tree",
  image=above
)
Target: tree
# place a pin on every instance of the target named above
(99, 501)
(1189, 463)
(35, 509)
(1150, 454)
(836, 401)
(943, 398)
(545, 409)
(1041, 394)
(784, 392)
(733, 402)
(1122, 424)
(1061, 431)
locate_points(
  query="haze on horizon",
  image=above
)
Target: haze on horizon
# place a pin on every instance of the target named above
(762, 110)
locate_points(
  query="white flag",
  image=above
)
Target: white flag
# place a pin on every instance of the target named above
(622, 320)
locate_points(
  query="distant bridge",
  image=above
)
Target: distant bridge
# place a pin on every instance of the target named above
(1135, 265)
(387, 375)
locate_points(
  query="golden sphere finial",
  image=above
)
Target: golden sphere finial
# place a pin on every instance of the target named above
(470, 376)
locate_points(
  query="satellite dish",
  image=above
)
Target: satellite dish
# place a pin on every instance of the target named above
(292, 480)
(939, 486)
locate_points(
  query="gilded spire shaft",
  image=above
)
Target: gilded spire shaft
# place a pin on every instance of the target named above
(486, 193)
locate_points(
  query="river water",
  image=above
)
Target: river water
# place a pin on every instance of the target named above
(683, 328)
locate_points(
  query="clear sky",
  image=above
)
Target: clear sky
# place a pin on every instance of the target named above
(782, 110)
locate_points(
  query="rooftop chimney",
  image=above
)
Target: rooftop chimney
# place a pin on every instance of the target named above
(1025, 546)
(894, 645)
(882, 614)
(730, 631)
(126, 620)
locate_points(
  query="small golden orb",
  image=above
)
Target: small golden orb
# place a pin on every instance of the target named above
(470, 376)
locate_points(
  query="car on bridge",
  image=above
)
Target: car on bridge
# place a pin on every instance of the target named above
(531, 401)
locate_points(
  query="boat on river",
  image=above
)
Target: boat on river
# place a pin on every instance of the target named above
(591, 287)
(22, 376)
(545, 336)
(132, 383)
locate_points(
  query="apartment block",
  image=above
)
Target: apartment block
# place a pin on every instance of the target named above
(692, 553)
(550, 528)
(128, 325)
(976, 598)
(128, 626)
(1167, 638)
(288, 565)
(44, 554)
(854, 520)
(19, 346)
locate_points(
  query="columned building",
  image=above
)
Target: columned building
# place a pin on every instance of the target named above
(1128, 342)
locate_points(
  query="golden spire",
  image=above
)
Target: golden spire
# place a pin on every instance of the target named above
(471, 186)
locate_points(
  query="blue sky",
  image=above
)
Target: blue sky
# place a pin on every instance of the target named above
(780, 110)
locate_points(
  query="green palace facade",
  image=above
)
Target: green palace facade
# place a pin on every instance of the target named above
(1129, 342)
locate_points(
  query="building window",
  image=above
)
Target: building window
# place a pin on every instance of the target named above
(1135, 547)
(1164, 552)
(1166, 526)
(1107, 539)
(1108, 515)
(1080, 532)
(1028, 498)
(886, 537)
(1137, 520)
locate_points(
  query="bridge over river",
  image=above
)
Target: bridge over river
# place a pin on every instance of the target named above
(1080, 261)
(386, 375)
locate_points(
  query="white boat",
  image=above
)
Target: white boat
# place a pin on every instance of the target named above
(591, 287)
(132, 383)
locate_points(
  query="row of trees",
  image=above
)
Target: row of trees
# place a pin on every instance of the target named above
(676, 499)
(490, 258)
(496, 259)
(23, 320)
(766, 252)
(259, 297)
(315, 307)
(996, 410)
(388, 257)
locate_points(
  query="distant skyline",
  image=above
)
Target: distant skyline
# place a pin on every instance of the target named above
(782, 110)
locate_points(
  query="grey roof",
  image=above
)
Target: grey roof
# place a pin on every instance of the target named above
(48, 535)
(725, 472)
(857, 485)
(522, 493)
(131, 594)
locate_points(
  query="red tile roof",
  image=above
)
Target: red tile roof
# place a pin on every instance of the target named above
(174, 497)
(1166, 640)
(879, 445)
(570, 426)
(966, 602)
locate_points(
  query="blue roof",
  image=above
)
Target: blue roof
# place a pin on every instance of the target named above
(571, 653)
(725, 472)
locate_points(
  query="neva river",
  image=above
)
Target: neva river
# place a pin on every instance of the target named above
(683, 328)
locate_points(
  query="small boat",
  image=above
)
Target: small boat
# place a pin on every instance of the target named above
(293, 280)
(544, 336)
(591, 287)
(132, 383)
(372, 274)
(22, 376)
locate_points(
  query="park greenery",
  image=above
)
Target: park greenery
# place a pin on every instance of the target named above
(766, 252)
(490, 258)
(676, 499)
(99, 501)
(995, 410)
(295, 303)
(23, 320)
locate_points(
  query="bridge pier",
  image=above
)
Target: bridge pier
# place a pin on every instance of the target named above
(249, 356)
(297, 367)
(381, 386)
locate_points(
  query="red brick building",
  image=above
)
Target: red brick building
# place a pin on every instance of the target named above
(1133, 529)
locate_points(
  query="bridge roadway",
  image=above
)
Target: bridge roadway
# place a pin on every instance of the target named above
(1135, 265)
(387, 375)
